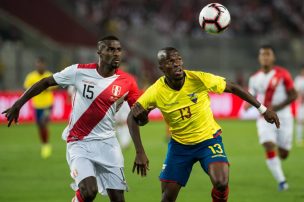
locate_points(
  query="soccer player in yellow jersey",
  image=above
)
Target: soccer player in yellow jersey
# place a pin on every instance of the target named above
(42, 104)
(182, 97)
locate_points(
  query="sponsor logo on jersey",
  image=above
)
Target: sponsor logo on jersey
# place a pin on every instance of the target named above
(171, 104)
(89, 82)
(193, 97)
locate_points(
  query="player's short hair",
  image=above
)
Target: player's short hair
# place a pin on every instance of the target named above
(102, 42)
(163, 53)
(267, 46)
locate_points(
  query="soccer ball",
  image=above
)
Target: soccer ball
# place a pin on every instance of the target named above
(214, 18)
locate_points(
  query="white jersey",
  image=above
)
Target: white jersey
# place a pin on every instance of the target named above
(96, 100)
(271, 88)
(122, 115)
(299, 85)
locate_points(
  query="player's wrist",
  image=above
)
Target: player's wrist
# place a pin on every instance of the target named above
(262, 109)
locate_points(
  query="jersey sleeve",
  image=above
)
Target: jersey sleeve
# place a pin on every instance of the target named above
(147, 99)
(251, 88)
(67, 76)
(133, 94)
(213, 83)
(288, 82)
(28, 82)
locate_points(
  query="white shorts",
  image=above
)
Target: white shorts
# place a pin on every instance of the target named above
(282, 137)
(102, 159)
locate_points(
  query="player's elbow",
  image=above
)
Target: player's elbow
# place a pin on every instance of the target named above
(231, 87)
(48, 82)
(294, 95)
(132, 120)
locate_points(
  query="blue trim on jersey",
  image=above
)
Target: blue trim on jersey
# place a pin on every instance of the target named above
(181, 158)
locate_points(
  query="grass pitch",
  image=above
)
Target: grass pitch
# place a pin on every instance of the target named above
(24, 176)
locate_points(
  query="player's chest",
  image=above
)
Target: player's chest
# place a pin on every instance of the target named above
(108, 89)
(264, 82)
(171, 101)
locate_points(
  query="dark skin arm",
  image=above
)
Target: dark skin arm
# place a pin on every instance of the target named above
(291, 96)
(138, 116)
(12, 113)
(270, 116)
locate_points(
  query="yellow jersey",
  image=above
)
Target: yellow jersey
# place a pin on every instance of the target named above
(45, 99)
(187, 111)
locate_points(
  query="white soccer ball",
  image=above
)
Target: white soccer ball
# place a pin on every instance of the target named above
(214, 18)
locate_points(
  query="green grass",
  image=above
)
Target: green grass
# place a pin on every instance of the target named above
(24, 176)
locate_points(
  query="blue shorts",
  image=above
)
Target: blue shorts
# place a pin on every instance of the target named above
(180, 159)
(42, 114)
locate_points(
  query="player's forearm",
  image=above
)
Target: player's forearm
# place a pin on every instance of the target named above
(243, 94)
(135, 134)
(36, 89)
(292, 96)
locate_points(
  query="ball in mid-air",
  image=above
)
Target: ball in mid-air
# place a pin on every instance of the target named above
(214, 18)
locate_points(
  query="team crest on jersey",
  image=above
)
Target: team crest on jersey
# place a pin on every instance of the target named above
(193, 97)
(116, 90)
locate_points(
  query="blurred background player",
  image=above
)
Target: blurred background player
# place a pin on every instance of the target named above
(273, 86)
(42, 104)
(299, 85)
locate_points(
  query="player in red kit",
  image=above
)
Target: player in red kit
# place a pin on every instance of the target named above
(273, 86)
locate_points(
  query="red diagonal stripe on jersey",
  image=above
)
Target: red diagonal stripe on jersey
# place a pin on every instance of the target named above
(273, 83)
(93, 115)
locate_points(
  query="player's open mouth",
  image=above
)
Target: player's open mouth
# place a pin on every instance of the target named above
(178, 72)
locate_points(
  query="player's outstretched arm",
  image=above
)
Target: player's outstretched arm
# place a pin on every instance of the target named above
(269, 115)
(12, 113)
(138, 116)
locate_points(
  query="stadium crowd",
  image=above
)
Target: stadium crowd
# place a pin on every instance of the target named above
(275, 18)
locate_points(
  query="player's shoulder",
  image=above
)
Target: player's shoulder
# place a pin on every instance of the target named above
(256, 74)
(192, 74)
(125, 75)
(281, 69)
(32, 74)
(86, 66)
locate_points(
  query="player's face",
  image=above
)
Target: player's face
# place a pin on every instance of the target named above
(266, 57)
(172, 66)
(111, 54)
(40, 66)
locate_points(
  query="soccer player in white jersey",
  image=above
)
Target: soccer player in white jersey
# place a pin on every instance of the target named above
(274, 87)
(299, 84)
(93, 152)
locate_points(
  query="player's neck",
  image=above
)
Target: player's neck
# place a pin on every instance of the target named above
(40, 72)
(105, 70)
(267, 69)
(175, 84)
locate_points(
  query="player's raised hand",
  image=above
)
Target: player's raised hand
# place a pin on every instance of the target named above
(141, 164)
(12, 114)
(271, 117)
